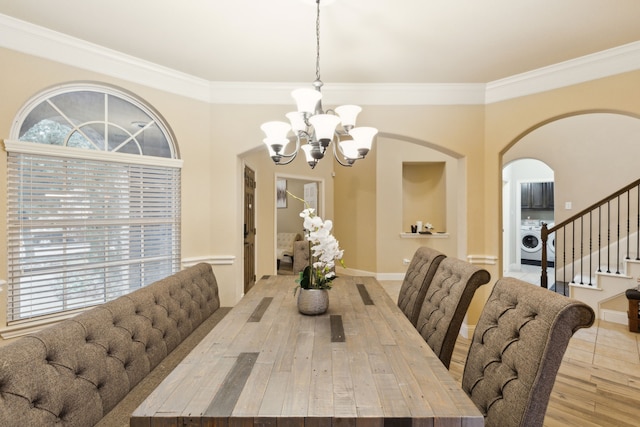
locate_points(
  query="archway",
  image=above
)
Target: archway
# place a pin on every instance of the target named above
(592, 154)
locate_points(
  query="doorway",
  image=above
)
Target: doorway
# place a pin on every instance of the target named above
(288, 208)
(249, 229)
(528, 201)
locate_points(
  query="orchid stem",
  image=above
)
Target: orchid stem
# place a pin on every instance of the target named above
(298, 198)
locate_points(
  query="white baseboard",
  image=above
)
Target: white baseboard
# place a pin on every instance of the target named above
(466, 331)
(614, 316)
(390, 276)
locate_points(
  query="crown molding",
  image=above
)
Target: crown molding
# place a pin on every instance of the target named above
(38, 41)
(42, 42)
(598, 65)
(347, 93)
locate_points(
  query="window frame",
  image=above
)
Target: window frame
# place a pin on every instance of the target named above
(25, 148)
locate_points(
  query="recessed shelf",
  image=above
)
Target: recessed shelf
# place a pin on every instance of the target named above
(424, 236)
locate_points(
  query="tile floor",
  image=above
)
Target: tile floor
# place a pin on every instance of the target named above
(529, 273)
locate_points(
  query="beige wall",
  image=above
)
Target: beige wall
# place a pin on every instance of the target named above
(216, 141)
(356, 213)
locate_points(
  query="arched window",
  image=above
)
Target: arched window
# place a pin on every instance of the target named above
(93, 200)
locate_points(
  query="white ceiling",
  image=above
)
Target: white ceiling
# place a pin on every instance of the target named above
(362, 41)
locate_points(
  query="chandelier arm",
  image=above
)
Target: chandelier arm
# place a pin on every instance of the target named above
(291, 157)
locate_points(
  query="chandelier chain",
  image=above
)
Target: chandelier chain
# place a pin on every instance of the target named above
(317, 40)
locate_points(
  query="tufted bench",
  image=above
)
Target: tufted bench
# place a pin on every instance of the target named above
(75, 372)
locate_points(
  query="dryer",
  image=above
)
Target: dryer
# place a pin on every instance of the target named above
(551, 246)
(530, 245)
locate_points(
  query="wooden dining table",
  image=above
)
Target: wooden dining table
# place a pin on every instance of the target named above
(360, 364)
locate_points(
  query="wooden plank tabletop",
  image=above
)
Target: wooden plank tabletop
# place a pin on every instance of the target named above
(267, 365)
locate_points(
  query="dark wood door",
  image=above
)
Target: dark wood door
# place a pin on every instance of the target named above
(249, 229)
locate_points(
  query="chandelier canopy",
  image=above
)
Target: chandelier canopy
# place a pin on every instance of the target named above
(315, 129)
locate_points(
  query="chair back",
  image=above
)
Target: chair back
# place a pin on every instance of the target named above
(517, 348)
(300, 255)
(446, 303)
(421, 270)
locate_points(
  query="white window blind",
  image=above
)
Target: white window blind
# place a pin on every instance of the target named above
(82, 232)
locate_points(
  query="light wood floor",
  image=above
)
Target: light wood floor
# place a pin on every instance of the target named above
(598, 383)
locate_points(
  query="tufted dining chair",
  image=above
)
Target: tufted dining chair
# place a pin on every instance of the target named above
(516, 350)
(423, 266)
(446, 302)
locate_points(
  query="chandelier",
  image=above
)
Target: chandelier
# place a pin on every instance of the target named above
(315, 129)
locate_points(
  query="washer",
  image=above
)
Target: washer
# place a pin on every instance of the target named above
(530, 245)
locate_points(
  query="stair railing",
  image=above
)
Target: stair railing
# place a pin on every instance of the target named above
(578, 233)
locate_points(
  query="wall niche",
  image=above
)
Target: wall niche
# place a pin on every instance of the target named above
(424, 194)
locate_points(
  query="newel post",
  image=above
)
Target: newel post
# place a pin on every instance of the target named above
(544, 235)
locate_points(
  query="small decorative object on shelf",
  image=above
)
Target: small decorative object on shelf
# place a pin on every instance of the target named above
(324, 250)
(427, 228)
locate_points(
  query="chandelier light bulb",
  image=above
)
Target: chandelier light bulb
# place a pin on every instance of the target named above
(348, 115)
(276, 130)
(312, 154)
(306, 100)
(324, 126)
(349, 150)
(363, 137)
(276, 145)
(297, 121)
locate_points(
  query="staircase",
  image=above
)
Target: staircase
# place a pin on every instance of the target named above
(606, 294)
(597, 253)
